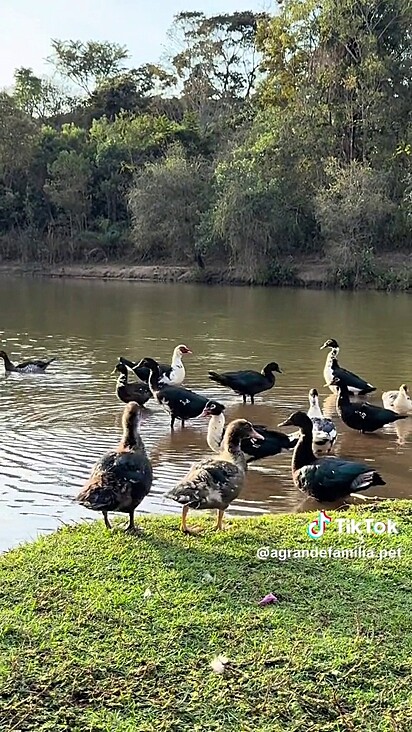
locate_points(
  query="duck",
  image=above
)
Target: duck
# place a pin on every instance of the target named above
(179, 402)
(217, 480)
(327, 479)
(126, 392)
(170, 374)
(355, 384)
(399, 401)
(122, 477)
(363, 417)
(26, 367)
(273, 442)
(248, 383)
(324, 430)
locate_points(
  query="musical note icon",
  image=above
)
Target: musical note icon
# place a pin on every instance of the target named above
(316, 529)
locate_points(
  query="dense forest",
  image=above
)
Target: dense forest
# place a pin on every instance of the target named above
(260, 139)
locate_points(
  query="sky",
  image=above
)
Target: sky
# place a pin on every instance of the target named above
(26, 27)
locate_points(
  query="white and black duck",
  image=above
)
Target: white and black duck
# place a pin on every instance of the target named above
(324, 430)
(122, 477)
(355, 384)
(216, 481)
(325, 478)
(362, 417)
(25, 367)
(169, 374)
(179, 402)
(248, 383)
(398, 400)
(127, 392)
(273, 442)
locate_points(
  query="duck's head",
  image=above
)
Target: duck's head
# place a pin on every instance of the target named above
(273, 366)
(299, 419)
(239, 430)
(313, 397)
(120, 368)
(3, 354)
(148, 363)
(330, 343)
(213, 409)
(181, 350)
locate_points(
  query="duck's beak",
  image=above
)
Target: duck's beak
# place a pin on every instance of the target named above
(206, 413)
(256, 435)
(280, 370)
(286, 423)
(322, 347)
(114, 371)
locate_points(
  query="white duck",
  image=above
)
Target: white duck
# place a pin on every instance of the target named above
(399, 401)
(324, 430)
(169, 375)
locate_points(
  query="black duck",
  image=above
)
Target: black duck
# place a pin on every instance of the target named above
(329, 478)
(248, 383)
(126, 392)
(169, 374)
(26, 367)
(363, 417)
(355, 384)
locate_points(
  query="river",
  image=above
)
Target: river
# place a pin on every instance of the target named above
(53, 427)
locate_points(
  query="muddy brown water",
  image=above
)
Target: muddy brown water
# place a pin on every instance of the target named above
(53, 427)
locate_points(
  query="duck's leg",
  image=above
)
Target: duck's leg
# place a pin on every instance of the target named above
(244, 398)
(132, 528)
(172, 422)
(183, 424)
(106, 520)
(252, 399)
(183, 525)
(219, 524)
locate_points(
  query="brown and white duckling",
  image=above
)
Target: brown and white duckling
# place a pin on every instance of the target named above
(216, 481)
(122, 477)
(25, 367)
(126, 392)
(399, 400)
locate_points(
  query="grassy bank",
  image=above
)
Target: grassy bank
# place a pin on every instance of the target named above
(392, 272)
(83, 648)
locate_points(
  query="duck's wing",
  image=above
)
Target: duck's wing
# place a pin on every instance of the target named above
(352, 380)
(325, 426)
(36, 364)
(332, 475)
(366, 410)
(237, 379)
(114, 474)
(208, 484)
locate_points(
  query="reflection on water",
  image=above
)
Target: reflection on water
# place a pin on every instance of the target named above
(53, 427)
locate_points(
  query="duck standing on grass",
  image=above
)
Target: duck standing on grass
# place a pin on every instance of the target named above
(329, 478)
(216, 481)
(169, 374)
(399, 400)
(122, 477)
(273, 442)
(26, 367)
(324, 431)
(363, 417)
(248, 383)
(126, 392)
(355, 384)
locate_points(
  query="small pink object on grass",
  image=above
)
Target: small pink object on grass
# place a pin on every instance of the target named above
(268, 599)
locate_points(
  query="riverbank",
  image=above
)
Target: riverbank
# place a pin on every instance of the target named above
(390, 272)
(102, 632)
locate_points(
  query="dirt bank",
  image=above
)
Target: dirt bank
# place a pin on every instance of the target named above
(306, 272)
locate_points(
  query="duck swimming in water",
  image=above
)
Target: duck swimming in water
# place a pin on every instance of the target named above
(26, 367)
(325, 478)
(399, 400)
(355, 384)
(273, 442)
(126, 392)
(324, 431)
(122, 477)
(216, 481)
(363, 417)
(179, 402)
(169, 375)
(248, 383)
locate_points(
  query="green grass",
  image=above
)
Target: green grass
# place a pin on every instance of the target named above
(82, 650)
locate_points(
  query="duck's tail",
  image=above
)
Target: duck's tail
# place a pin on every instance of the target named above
(367, 480)
(214, 376)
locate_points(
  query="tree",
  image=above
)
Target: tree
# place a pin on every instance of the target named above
(88, 64)
(67, 188)
(37, 97)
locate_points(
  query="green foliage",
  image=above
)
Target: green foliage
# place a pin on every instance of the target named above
(264, 139)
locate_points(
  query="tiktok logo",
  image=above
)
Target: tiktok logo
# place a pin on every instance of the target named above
(316, 529)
